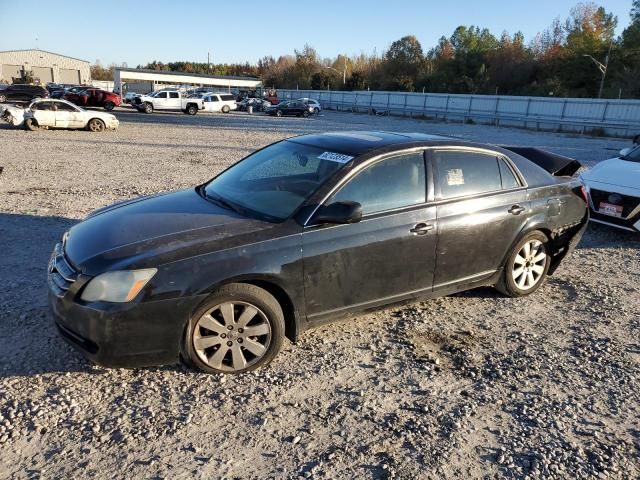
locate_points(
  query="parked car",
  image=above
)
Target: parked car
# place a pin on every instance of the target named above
(93, 97)
(129, 96)
(312, 103)
(614, 190)
(292, 107)
(22, 93)
(50, 113)
(67, 89)
(258, 104)
(218, 102)
(168, 100)
(306, 230)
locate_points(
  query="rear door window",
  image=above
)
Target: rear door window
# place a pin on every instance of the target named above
(509, 179)
(174, 95)
(227, 98)
(461, 173)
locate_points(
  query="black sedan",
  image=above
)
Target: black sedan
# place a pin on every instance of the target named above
(306, 230)
(296, 108)
(22, 93)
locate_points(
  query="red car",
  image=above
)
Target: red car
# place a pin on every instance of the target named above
(94, 97)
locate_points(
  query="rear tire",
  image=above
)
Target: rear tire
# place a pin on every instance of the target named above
(526, 267)
(225, 109)
(316, 110)
(217, 338)
(278, 113)
(31, 124)
(191, 110)
(3, 98)
(636, 139)
(305, 114)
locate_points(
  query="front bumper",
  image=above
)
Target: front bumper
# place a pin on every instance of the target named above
(135, 334)
(113, 124)
(628, 200)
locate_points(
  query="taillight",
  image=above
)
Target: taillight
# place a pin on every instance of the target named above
(585, 194)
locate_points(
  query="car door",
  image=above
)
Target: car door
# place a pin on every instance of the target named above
(44, 114)
(482, 207)
(67, 116)
(389, 255)
(160, 100)
(174, 102)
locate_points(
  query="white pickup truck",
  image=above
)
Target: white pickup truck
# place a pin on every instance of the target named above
(167, 100)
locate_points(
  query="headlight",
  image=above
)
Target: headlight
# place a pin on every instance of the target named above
(120, 286)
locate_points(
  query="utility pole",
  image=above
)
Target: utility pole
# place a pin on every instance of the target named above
(344, 72)
(208, 63)
(602, 67)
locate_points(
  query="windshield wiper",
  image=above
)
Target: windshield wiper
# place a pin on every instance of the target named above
(223, 203)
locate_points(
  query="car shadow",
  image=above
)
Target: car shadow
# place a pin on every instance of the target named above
(29, 341)
(598, 235)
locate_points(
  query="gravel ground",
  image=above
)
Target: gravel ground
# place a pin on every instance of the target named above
(466, 386)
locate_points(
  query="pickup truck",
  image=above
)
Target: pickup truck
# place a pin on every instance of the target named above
(167, 100)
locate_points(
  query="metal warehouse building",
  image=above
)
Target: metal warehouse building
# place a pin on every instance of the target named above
(46, 67)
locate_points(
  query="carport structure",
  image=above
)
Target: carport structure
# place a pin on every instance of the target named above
(139, 80)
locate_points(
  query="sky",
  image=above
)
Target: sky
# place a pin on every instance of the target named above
(141, 31)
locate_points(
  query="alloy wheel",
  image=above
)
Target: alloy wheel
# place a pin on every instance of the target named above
(529, 265)
(96, 125)
(232, 336)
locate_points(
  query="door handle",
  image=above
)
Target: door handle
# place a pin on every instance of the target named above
(516, 210)
(421, 228)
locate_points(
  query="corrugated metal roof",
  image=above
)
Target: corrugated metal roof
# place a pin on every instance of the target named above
(43, 51)
(188, 74)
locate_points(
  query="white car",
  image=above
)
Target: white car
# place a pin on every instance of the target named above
(614, 190)
(315, 104)
(168, 99)
(50, 113)
(218, 102)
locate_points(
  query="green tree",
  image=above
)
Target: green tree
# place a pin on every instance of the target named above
(403, 61)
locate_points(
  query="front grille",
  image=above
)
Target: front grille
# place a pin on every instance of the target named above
(627, 202)
(61, 273)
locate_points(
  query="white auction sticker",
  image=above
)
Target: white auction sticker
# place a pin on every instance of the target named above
(455, 177)
(335, 157)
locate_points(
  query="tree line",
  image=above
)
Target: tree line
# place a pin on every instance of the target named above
(566, 59)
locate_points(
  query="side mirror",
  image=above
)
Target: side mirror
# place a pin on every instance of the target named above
(625, 151)
(339, 213)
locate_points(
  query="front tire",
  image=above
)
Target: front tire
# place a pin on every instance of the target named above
(96, 125)
(3, 98)
(191, 109)
(278, 113)
(226, 109)
(239, 328)
(148, 108)
(526, 267)
(109, 106)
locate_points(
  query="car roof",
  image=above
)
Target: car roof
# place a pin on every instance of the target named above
(361, 142)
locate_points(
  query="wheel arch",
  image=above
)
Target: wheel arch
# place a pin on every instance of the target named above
(292, 314)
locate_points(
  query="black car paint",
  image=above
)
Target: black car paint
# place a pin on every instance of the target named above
(317, 272)
(292, 108)
(24, 93)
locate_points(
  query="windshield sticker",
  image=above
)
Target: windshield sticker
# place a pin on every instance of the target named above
(455, 177)
(335, 157)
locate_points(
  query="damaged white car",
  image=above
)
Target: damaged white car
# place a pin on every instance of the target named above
(49, 113)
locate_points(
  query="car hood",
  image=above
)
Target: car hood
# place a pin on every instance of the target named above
(154, 230)
(615, 171)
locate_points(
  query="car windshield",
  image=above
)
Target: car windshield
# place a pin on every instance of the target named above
(633, 155)
(273, 182)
